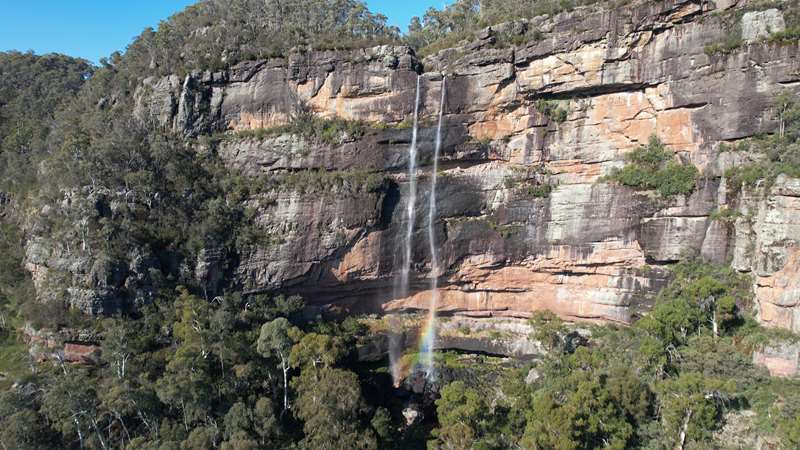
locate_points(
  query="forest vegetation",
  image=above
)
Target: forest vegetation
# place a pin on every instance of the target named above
(179, 370)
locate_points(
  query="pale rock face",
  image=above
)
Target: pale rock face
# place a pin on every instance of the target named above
(589, 250)
(759, 24)
(766, 241)
(782, 360)
(778, 294)
(497, 336)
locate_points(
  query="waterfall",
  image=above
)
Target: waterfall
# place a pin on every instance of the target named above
(429, 338)
(411, 206)
(402, 288)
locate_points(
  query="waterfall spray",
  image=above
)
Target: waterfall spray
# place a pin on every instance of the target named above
(402, 288)
(428, 341)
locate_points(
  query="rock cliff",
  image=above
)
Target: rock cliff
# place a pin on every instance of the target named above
(525, 220)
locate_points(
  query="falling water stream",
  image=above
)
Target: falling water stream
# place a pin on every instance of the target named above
(427, 340)
(429, 337)
(411, 206)
(402, 289)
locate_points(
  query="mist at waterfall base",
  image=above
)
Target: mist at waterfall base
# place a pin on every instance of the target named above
(427, 338)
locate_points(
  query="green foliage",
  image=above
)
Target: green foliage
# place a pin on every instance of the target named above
(218, 33)
(725, 215)
(382, 423)
(691, 403)
(532, 183)
(539, 191)
(322, 182)
(773, 155)
(276, 338)
(553, 109)
(193, 378)
(549, 330)
(25, 429)
(586, 403)
(309, 126)
(791, 16)
(653, 167)
(17, 303)
(731, 43)
(33, 89)
(330, 404)
(503, 229)
(666, 382)
(461, 412)
(315, 350)
(200, 373)
(461, 20)
(700, 296)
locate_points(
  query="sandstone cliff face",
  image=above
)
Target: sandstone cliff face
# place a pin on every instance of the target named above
(588, 250)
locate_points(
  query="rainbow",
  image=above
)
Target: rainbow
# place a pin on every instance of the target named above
(427, 338)
(422, 360)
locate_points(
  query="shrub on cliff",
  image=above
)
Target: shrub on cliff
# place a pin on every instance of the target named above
(653, 167)
(791, 15)
(442, 28)
(773, 155)
(553, 109)
(309, 126)
(732, 42)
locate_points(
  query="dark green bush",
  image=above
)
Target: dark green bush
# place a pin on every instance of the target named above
(309, 126)
(553, 109)
(653, 167)
(727, 46)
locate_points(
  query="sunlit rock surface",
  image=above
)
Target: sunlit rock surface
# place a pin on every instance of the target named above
(586, 250)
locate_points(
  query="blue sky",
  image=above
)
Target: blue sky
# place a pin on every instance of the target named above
(92, 29)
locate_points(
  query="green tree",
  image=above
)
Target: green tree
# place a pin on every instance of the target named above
(265, 422)
(238, 419)
(25, 430)
(461, 411)
(276, 340)
(130, 408)
(316, 350)
(187, 385)
(200, 437)
(120, 344)
(249, 29)
(586, 402)
(382, 424)
(700, 295)
(34, 87)
(330, 404)
(71, 406)
(691, 404)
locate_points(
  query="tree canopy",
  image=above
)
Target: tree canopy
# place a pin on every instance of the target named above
(216, 33)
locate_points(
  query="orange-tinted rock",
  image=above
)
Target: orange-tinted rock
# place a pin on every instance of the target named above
(778, 295)
(782, 360)
(622, 74)
(81, 353)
